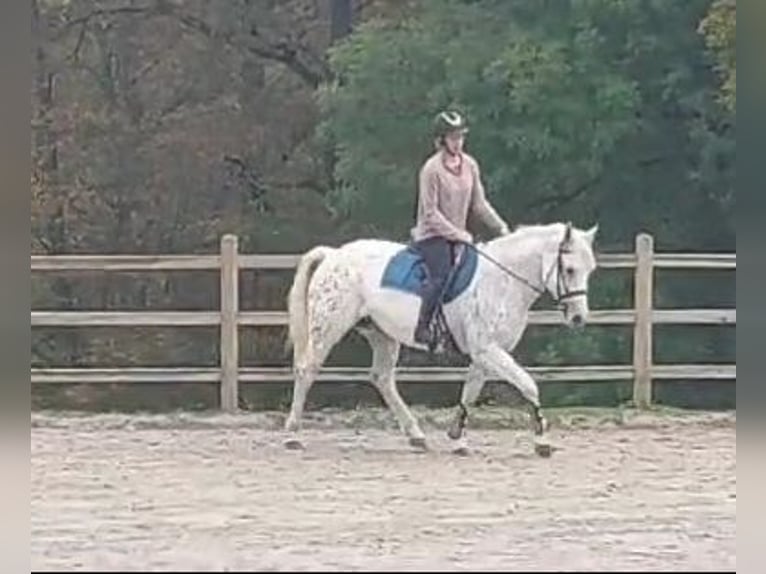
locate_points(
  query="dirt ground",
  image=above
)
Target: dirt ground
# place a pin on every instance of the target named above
(162, 492)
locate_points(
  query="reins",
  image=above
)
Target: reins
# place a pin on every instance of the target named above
(559, 280)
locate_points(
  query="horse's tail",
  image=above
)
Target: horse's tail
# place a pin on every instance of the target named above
(297, 306)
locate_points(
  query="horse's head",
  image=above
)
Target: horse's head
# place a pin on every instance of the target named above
(567, 269)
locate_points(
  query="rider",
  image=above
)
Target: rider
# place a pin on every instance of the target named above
(449, 187)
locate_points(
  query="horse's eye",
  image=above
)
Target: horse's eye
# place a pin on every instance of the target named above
(570, 271)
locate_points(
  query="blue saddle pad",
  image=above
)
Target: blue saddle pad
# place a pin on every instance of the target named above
(406, 271)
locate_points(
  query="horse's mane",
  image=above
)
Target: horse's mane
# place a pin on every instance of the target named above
(532, 231)
(524, 233)
(538, 229)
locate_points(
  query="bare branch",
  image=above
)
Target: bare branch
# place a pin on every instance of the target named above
(86, 18)
(292, 55)
(153, 63)
(75, 55)
(298, 58)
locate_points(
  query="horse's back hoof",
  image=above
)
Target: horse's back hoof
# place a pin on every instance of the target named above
(461, 450)
(454, 432)
(543, 449)
(418, 443)
(293, 444)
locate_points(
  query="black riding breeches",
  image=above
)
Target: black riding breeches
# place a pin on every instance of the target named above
(438, 254)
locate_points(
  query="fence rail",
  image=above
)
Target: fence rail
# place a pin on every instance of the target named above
(279, 318)
(643, 316)
(341, 374)
(196, 262)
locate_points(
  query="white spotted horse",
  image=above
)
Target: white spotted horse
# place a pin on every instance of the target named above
(372, 285)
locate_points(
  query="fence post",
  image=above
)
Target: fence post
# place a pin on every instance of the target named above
(642, 330)
(229, 334)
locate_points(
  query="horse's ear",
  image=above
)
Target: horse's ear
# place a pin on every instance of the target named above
(590, 234)
(568, 234)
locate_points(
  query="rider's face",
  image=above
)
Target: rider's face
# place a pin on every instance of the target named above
(454, 142)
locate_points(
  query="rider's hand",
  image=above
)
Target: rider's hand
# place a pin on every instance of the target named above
(466, 237)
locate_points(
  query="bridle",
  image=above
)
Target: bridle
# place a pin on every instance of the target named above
(562, 293)
(567, 294)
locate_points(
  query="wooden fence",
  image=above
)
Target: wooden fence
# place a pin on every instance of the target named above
(229, 318)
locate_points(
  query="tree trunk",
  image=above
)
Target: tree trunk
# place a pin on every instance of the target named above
(341, 19)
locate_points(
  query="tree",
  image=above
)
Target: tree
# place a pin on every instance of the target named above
(581, 110)
(158, 125)
(532, 100)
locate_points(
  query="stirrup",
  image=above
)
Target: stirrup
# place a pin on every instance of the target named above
(433, 342)
(429, 335)
(422, 330)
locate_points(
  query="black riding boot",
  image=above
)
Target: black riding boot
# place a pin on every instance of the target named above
(423, 333)
(437, 255)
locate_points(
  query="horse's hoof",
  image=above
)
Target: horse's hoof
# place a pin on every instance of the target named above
(543, 449)
(454, 432)
(293, 444)
(419, 443)
(461, 451)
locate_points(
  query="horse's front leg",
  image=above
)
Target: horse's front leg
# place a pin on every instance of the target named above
(495, 360)
(472, 386)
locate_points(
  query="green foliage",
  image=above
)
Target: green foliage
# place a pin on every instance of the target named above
(159, 126)
(588, 109)
(545, 110)
(583, 110)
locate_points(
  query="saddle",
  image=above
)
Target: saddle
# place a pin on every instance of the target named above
(406, 271)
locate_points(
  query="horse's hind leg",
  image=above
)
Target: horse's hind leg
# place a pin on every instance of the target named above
(385, 354)
(304, 379)
(331, 315)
